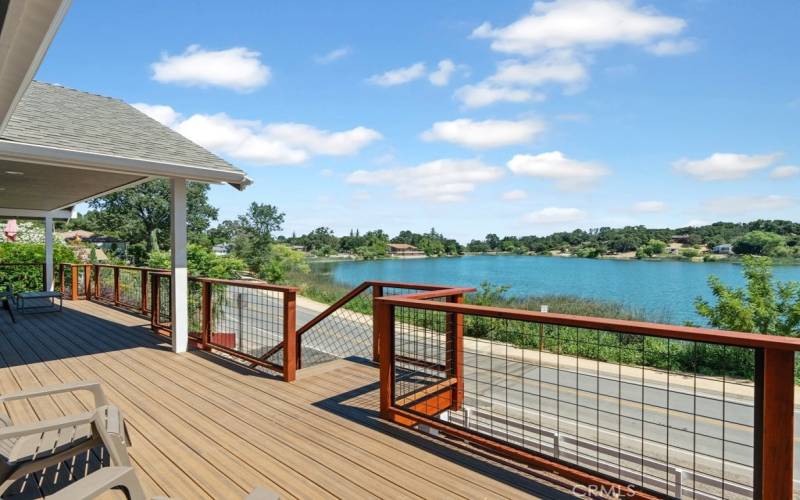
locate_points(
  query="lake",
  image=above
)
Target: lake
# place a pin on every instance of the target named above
(665, 289)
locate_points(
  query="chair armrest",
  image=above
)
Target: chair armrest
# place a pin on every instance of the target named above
(20, 430)
(99, 482)
(94, 387)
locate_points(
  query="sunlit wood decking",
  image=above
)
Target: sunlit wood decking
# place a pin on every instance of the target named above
(204, 427)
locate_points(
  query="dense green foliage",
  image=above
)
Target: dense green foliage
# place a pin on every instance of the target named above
(251, 239)
(140, 215)
(202, 262)
(372, 244)
(762, 237)
(28, 278)
(762, 306)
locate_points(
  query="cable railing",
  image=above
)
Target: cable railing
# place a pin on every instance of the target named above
(122, 286)
(635, 409)
(252, 321)
(75, 281)
(346, 328)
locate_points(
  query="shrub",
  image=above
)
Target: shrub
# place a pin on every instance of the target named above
(758, 243)
(652, 247)
(279, 262)
(762, 306)
(28, 278)
(202, 262)
(690, 253)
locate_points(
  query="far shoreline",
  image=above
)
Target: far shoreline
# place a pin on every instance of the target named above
(733, 259)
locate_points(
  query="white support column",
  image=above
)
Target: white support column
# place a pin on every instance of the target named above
(48, 252)
(179, 298)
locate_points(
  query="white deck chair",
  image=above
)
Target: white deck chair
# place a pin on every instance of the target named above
(27, 448)
(124, 478)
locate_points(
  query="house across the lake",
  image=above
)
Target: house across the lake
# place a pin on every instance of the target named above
(404, 250)
(221, 249)
(724, 249)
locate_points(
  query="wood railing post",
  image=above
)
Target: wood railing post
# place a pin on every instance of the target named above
(290, 349)
(774, 424)
(96, 279)
(87, 281)
(116, 286)
(44, 277)
(383, 318)
(143, 292)
(73, 282)
(454, 361)
(377, 291)
(61, 279)
(155, 306)
(205, 318)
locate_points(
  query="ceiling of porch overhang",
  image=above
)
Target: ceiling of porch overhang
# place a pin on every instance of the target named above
(29, 186)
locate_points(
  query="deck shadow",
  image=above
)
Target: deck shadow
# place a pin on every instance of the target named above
(360, 405)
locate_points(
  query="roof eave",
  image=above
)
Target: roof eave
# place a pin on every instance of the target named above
(25, 40)
(45, 155)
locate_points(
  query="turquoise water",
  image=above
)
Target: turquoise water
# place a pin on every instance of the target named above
(665, 289)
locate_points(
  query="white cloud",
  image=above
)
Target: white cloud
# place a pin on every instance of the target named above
(785, 171)
(441, 76)
(514, 80)
(567, 173)
(445, 180)
(484, 134)
(555, 215)
(322, 142)
(749, 204)
(587, 24)
(333, 55)
(398, 76)
(560, 68)
(268, 144)
(163, 114)
(484, 94)
(650, 206)
(559, 36)
(724, 166)
(697, 223)
(514, 195)
(672, 47)
(237, 68)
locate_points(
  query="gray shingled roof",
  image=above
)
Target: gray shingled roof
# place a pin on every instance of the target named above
(51, 115)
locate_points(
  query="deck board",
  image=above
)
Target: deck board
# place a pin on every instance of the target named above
(205, 427)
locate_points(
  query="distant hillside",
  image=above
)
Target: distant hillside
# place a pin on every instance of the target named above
(777, 238)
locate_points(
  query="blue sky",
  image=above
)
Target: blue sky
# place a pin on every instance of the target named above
(513, 117)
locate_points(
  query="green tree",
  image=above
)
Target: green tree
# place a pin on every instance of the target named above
(321, 240)
(260, 221)
(202, 262)
(375, 244)
(493, 241)
(652, 247)
(478, 246)
(762, 306)
(280, 262)
(758, 243)
(140, 214)
(690, 253)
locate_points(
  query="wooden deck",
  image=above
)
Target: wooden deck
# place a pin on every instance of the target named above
(205, 427)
